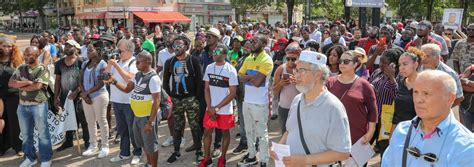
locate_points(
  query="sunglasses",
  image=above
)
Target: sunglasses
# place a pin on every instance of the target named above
(345, 61)
(293, 59)
(216, 52)
(428, 157)
(178, 46)
(448, 34)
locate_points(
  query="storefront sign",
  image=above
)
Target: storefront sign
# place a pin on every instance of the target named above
(219, 7)
(116, 15)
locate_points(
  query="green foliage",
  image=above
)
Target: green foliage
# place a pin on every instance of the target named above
(330, 9)
(15, 6)
(419, 8)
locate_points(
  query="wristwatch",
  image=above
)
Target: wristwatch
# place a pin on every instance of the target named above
(217, 109)
(114, 82)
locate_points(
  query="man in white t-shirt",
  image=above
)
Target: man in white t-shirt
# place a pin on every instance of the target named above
(123, 71)
(315, 34)
(221, 84)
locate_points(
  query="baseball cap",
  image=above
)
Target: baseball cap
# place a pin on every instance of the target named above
(73, 43)
(215, 32)
(293, 47)
(313, 57)
(361, 51)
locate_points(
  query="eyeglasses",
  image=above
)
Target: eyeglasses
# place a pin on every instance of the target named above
(345, 61)
(293, 59)
(216, 52)
(428, 157)
(300, 70)
(175, 46)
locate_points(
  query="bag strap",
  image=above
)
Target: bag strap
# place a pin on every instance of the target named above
(300, 128)
(353, 83)
(407, 141)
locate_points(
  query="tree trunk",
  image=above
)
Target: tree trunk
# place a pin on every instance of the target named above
(21, 20)
(464, 13)
(290, 5)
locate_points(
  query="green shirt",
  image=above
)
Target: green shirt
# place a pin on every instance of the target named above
(38, 74)
(149, 46)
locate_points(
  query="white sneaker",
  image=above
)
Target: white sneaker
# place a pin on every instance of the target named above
(28, 163)
(168, 142)
(104, 152)
(46, 164)
(119, 158)
(135, 160)
(183, 141)
(90, 151)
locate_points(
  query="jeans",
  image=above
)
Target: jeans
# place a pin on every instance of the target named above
(29, 117)
(124, 120)
(467, 117)
(283, 113)
(256, 118)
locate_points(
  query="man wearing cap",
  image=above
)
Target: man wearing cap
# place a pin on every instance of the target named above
(423, 31)
(328, 140)
(67, 72)
(434, 137)
(255, 73)
(407, 37)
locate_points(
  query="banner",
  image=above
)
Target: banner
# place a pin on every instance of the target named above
(59, 124)
(452, 18)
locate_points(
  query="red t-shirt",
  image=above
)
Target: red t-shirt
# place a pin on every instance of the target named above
(366, 43)
(360, 104)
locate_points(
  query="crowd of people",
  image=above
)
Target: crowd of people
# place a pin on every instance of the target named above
(328, 84)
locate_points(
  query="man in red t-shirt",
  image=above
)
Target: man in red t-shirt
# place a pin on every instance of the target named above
(371, 40)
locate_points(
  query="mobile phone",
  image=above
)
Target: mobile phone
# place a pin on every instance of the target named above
(393, 65)
(286, 76)
(382, 41)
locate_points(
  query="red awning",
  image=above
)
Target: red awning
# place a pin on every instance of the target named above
(92, 15)
(160, 17)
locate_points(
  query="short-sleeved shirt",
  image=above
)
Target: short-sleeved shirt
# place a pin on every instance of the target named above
(328, 121)
(38, 74)
(464, 53)
(440, 39)
(220, 79)
(117, 95)
(141, 99)
(316, 35)
(91, 77)
(69, 75)
(359, 100)
(342, 41)
(404, 106)
(453, 144)
(253, 64)
(53, 50)
(148, 46)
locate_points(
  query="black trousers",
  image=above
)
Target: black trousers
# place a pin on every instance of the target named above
(11, 133)
(81, 122)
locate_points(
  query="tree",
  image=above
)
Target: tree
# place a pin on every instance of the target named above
(245, 5)
(19, 7)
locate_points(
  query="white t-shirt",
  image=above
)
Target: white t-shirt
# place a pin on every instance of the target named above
(316, 35)
(141, 100)
(342, 41)
(163, 55)
(117, 95)
(83, 51)
(220, 79)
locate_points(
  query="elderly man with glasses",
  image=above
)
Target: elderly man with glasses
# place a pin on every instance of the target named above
(434, 137)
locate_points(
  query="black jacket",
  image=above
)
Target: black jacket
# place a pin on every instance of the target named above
(192, 80)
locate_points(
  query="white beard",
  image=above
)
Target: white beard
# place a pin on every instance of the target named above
(304, 88)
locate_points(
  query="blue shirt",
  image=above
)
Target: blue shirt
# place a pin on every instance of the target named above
(53, 50)
(91, 78)
(453, 144)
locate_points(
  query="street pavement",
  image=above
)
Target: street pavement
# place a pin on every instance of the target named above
(72, 158)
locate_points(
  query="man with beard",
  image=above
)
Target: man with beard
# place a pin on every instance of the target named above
(463, 53)
(127, 34)
(329, 140)
(371, 40)
(407, 37)
(423, 30)
(305, 32)
(386, 35)
(67, 72)
(255, 73)
(335, 36)
(357, 38)
(183, 77)
(31, 78)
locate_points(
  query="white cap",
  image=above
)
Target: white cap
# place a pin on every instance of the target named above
(313, 57)
(414, 24)
(215, 32)
(73, 43)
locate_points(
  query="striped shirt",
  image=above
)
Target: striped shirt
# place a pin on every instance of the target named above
(384, 89)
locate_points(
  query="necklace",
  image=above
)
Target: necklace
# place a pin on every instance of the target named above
(215, 66)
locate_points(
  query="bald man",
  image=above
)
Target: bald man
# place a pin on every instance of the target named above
(30, 78)
(434, 136)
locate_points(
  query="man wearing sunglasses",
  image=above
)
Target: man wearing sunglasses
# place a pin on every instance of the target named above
(434, 137)
(255, 73)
